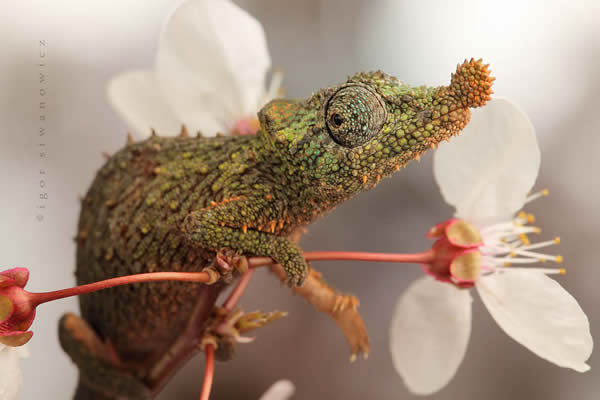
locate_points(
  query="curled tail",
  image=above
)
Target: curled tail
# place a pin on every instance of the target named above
(99, 377)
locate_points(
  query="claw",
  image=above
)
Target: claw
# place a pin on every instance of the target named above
(227, 328)
(342, 302)
(229, 261)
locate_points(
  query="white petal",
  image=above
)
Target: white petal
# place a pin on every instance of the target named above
(10, 371)
(211, 63)
(537, 312)
(137, 97)
(280, 390)
(488, 170)
(429, 334)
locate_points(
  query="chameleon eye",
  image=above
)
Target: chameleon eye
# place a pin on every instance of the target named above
(354, 115)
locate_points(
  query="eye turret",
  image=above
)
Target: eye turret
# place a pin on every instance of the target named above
(354, 114)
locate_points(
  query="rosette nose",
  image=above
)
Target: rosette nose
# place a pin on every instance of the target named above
(471, 84)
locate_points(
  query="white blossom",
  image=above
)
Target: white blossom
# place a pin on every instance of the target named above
(209, 74)
(10, 370)
(486, 174)
(280, 390)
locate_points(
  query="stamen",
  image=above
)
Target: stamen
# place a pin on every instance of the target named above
(509, 235)
(541, 257)
(537, 195)
(516, 247)
(508, 225)
(274, 91)
(515, 260)
(547, 271)
(541, 244)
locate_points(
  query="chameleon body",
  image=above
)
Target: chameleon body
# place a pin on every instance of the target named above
(170, 203)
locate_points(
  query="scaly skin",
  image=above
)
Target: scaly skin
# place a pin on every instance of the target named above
(168, 204)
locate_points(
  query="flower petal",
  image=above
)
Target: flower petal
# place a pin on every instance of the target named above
(488, 170)
(19, 276)
(6, 308)
(15, 339)
(429, 334)
(537, 312)
(211, 64)
(280, 390)
(10, 371)
(137, 97)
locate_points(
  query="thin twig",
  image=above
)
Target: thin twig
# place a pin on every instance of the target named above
(238, 291)
(209, 371)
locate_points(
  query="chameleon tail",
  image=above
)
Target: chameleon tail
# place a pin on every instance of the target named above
(99, 377)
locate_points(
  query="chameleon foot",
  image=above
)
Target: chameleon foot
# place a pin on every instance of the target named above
(343, 309)
(224, 265)
(344, 301)
(228, 328)
(228, 261)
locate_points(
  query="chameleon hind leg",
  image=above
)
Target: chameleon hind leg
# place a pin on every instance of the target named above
(225, 226)
(100, 377)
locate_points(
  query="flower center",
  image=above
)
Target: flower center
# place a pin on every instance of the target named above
(463, 253)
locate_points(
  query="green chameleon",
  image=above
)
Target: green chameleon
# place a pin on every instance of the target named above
(174, 203)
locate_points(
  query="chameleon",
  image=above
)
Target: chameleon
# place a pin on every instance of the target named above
(175, 203)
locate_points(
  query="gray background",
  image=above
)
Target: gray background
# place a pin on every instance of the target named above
(546, 56)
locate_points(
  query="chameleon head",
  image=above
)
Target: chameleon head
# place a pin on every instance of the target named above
(350, 136)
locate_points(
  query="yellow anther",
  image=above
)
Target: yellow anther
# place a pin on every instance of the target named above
(522, 215)
(545, 192)
(543, 260)
(507, 264)
(562, 271)
(530, 218)
(537, 230)
(513, 254)
(557, 240)
(524, 239)
(558, 259)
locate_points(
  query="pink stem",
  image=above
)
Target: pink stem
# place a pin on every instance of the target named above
(418, 258)
(237, 293)
(209, 372)
(43, 297)
(203, 277)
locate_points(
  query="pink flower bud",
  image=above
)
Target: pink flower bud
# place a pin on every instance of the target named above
(17, 311)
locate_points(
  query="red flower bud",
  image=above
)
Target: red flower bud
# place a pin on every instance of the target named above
(17, 312)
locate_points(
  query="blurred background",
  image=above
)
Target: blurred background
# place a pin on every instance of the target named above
(546, 57)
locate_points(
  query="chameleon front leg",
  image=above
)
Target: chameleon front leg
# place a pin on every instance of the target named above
(225, 226)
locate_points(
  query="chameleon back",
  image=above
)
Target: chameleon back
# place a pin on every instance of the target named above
(129, 224)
